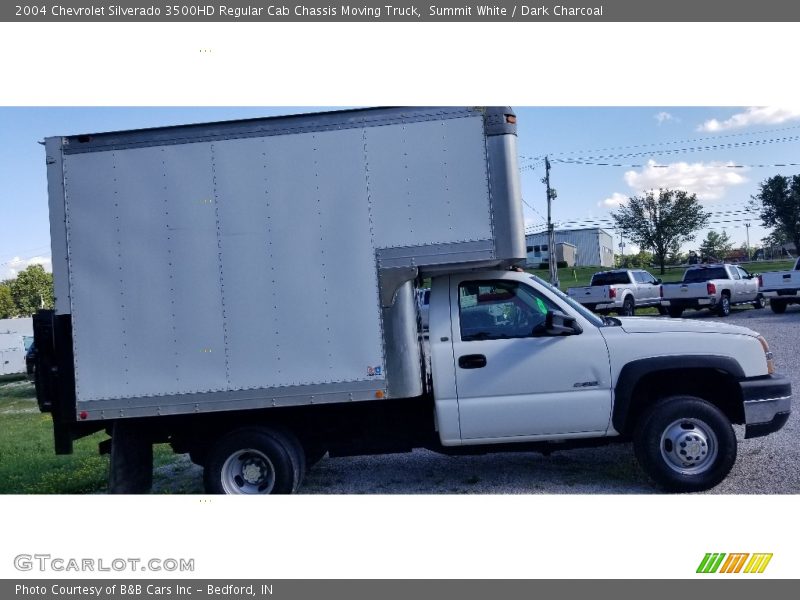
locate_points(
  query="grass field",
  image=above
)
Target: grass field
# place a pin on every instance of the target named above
(28, 464)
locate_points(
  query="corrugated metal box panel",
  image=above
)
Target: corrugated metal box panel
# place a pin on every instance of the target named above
(428, 182)
(228, 265)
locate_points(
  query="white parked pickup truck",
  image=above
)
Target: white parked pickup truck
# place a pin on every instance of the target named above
(622, 290)
(782, 288)
(716, 287)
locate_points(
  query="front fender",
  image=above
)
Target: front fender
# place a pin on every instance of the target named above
(633, 372)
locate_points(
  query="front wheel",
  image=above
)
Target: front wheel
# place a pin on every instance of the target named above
(760, 302)
(255, 460)
(778, 306)
(685, 444)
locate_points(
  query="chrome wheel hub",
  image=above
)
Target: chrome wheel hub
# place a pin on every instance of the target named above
(248, 472)
(689, 446)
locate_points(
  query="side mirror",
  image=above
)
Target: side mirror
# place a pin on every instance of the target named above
(658, 282)
(558, 323)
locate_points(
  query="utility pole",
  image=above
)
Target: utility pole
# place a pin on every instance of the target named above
(551, 234)
(747, 228)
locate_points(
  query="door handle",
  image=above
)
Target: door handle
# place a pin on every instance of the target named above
(472, 361)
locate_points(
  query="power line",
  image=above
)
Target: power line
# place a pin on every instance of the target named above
(686, 141)
(659, 166)
(610, 224)
(726, 146)
(534, 210)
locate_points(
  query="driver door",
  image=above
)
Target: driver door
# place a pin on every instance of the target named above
(515, 381)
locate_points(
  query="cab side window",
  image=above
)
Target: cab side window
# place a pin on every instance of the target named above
(494, 310)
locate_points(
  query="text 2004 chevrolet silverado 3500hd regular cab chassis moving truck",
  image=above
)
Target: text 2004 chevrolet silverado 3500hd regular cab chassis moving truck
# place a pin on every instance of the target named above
(246, 292)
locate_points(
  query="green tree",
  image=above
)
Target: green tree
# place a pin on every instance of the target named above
(661, 222)
(642, 260)
(7, 307)
(32, 290)
(676, 257)
(716, 245)
(778, 202)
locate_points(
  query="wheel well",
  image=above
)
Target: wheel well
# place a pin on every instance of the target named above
(713, 385)
(726, 293)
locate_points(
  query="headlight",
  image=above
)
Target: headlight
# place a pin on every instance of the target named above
(767, 354)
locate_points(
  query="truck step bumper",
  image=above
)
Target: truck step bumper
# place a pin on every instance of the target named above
(689, 303)
(767, 404)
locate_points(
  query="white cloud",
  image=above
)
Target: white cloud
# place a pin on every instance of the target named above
(709, 181)
(13, 267)
(754, 115)
(664, 116)
(614, 201)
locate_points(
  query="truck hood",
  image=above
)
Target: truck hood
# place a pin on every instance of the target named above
(646, 325)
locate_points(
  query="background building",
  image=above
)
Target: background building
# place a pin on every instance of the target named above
(591, 247)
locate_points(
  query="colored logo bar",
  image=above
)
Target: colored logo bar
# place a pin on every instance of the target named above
(736, 562)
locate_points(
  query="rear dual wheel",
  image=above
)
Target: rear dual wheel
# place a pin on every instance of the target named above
(255, 460)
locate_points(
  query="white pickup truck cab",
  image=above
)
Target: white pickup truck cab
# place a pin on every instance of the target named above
(782, 288)
(516, 361)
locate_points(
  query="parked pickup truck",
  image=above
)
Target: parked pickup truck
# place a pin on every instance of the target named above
(622, 290)
(782, 288)
(716, 287)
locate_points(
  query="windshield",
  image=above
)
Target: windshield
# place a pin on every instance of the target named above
(610, 278)
(705, 274)
(579, 308)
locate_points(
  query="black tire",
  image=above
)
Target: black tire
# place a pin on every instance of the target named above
(590, 307)
(662, 310)
(685, 444)
(778, 306)
(724, 306)
(760, 302)
(274, 458)
(675, 313)
(628, 308)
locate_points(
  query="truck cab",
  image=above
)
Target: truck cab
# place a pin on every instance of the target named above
(518, 363)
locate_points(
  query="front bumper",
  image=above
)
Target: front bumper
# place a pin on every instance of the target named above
(767, 404)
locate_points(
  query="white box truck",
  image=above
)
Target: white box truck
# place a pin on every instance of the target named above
(246, 291)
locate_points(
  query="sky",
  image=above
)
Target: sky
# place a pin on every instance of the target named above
(721, 154)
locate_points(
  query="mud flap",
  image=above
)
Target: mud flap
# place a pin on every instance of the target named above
(131, 465)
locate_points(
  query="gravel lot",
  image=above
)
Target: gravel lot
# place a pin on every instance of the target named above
(767, 465)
